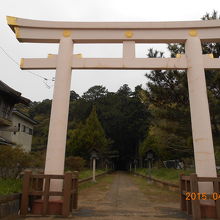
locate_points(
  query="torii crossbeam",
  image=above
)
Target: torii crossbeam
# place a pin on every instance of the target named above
(191, 33)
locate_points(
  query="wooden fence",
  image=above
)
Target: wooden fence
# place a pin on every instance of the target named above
(9, 205)
(37, 187)
(191, 198)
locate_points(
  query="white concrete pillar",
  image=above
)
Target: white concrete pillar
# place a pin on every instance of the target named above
(59, 112)
(93, 169)
(199, 108)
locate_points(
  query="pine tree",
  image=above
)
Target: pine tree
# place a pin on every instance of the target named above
(87, 137)
(170, 130)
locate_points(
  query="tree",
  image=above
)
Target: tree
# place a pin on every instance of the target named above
(213, 80)
(167, 93)
(125, 120)
(87, 137)
(95, 93)
(169, 106)
(73, 96)
(124, 90)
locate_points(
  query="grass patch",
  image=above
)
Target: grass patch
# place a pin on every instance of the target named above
(155, 193)
(102, 182)
(85, 185)
(9, 186)
(169, 175)
(88, 173)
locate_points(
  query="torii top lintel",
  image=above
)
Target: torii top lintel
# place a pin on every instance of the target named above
(114, 32)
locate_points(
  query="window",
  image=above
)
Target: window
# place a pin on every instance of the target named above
(19, 126)
(23, 128)
(30, 131)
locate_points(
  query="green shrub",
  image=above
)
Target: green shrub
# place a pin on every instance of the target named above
(12, 161)
(37, 159)
(8, 186)
(74, 163)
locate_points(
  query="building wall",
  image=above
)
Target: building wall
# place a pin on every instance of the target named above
(23, 137)
(6, 135)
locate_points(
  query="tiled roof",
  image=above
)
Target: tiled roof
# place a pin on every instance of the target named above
(5, 89)
(26, 117)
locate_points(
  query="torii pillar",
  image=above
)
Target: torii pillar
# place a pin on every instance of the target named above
(199, 109)
(59, 112)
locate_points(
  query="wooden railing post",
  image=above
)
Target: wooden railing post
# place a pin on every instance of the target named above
(196, 211)
(188, 202)
(46, 194)
(217, 202)
(67, 187)
(25, 193)
(75, 190)
(182, 196)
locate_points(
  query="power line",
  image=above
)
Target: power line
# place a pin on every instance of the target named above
(35, 74)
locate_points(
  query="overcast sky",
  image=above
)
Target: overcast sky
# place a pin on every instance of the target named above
(34, 88)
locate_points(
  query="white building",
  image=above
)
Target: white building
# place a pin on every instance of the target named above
(16, 128)
(24, 126)
(23, 137)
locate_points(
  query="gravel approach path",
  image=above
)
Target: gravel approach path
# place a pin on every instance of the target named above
(121, 196)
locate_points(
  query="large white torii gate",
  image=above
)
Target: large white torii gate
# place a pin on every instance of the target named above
(192, 33)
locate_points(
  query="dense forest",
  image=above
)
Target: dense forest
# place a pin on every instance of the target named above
(113, 124)
(123, 125)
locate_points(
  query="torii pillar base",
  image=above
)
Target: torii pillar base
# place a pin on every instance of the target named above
(54, 207)
(208, 211)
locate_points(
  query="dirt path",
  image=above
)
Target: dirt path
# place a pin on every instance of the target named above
(120, 196)
(129, 197)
